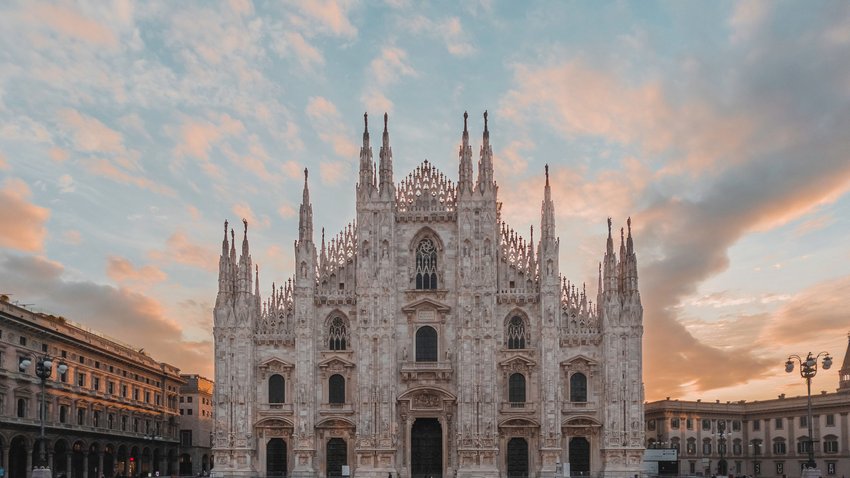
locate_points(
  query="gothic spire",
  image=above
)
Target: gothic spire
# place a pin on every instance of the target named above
(485, 164)
(366, 164)
(611, 277)
(224, 242)
(244, 276)
(464, 183)
(305, 215)
(224, 277)
(547, 216)
(385, 183)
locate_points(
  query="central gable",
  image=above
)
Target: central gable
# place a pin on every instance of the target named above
(426, 189)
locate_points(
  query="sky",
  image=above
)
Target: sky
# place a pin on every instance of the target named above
(130, 132)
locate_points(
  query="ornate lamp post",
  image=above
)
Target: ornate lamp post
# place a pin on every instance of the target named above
(808, 369)
(43, 370)
(722, 467)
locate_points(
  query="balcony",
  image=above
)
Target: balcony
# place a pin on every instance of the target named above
(518, 407)
(426, 371)
(274, 409)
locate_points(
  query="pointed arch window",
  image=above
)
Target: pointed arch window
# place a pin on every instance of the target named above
(516, 388)
(426, 265)
(336, 389)
(578, 387)
(517, 333)
(337, 334)
(277, 387)
(426, 344)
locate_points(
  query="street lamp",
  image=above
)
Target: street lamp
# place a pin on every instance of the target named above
(43, 370)
(808, 369)
(722, 468)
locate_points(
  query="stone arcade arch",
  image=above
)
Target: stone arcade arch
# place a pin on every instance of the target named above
(18, 458)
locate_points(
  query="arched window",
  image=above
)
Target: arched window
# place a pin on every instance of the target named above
(578, 387)
(336, 389)
(426, 344)
(426, 265)
(277, 389)
(516, 388)
(516, 333)
(692, 446)
(22, 408)
(337, 334)
(706, 446)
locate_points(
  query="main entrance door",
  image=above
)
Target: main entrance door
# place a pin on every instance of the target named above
(336, 455)
(275, 457)
(579, 456)
(426, 448)
(517, 458)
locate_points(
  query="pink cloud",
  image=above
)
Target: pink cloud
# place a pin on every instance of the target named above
(180, 249)
(25, 228)
(105, 168)
(244, 211)
(198, 136)
(328, 124)
(330, 16)
(4, 166)
(125, 314)
(58, 154)
(72, 237)
(286, 211)
(90, 135)
(71, 23)
(121, 270)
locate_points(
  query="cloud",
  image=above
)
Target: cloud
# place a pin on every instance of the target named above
(74, 25)
(328, 124)
(327, 16)
(58, 154)
(824, 304)
(286, 211)
(180, 249)
(194, 212)
(90, 134)
(391, 65)
(294, 44)
(121, 270)
(332, 172)
(66, 184)
(244, 211)
(747, 18)
(72, 237)
(449, 30)
(199, 136)
(132, 318)
(4, 166)
(25, 227)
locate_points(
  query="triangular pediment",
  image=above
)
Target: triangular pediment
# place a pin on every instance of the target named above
(275, 363)
(520, 361)
(426, 303)
(579, 360)
(335, 361)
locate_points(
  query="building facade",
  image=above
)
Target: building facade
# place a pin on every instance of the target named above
(764, 438)
(112, 413)
(428, 338)
(196, 425)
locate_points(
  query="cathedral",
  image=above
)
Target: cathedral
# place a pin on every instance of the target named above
(428, 339)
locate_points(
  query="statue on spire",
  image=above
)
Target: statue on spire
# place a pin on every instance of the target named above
(365, 122)
(385, 121)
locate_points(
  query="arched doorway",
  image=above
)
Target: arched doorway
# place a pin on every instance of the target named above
(146, 462)
(579, 456)
(517, 459)
(122, 467)
(17, 467)
(60, 458)
(108, 461)
(170, 462)
(133, 462)
(94, 451)
(205, 463)
(157, 461)
(275, 457)
(77, 459)
(426, 448)
(336, 455)
(185, 464)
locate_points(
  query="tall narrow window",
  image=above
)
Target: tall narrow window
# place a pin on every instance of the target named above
(516, 388)
(516, 334)
(426, 344)
(277, 387)
(426, 265)
(336, 389)
(337, 334)
(578, 387)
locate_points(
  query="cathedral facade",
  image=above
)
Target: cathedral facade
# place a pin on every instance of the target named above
(428, 339)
